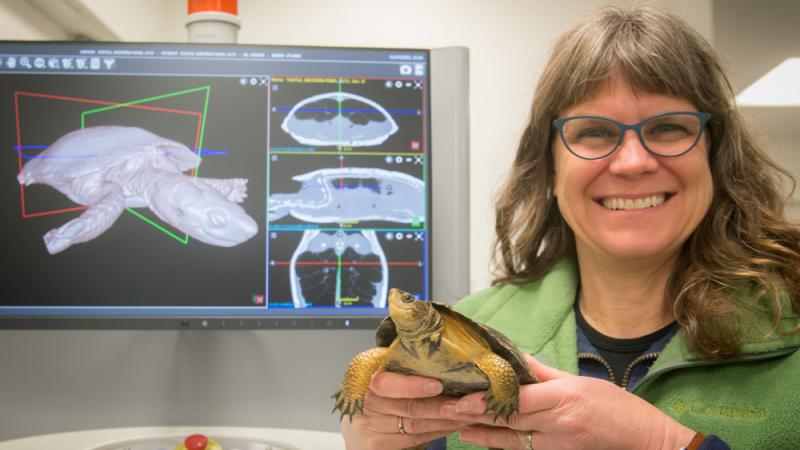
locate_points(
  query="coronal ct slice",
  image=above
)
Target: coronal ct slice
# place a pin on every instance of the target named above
(110, 168)
(339, 119)
(352, 193)
(339, 268)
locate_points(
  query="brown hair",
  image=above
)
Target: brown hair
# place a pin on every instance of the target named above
(743, 242)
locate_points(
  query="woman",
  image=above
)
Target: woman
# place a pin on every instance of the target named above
(641, 245)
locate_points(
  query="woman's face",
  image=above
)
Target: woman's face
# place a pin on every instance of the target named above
(589, 192)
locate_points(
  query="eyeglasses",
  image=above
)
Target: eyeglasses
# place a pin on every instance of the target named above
(670, 134)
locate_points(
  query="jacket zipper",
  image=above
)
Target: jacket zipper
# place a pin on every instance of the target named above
(602, 361)
(641, 358)
(628, 370)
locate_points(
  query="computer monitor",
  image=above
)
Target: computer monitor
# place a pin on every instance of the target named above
(212, 186)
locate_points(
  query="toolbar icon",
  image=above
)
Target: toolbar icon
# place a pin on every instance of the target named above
(25, 62)
(11, 62)
(94, 63)
(38, 62)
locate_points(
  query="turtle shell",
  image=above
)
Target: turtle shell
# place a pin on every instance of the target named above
(498, 342)
(96, 149)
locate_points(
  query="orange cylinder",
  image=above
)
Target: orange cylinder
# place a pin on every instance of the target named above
(227, 6)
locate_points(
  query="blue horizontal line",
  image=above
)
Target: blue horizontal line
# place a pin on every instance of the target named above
(393, 111)
(205, 151)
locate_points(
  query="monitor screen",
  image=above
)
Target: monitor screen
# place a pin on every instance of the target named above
(211, 186)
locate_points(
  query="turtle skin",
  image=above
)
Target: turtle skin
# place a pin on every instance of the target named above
(433, 340)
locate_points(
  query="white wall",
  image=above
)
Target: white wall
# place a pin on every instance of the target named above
(142, 20)
(508, 41)
(20, 21)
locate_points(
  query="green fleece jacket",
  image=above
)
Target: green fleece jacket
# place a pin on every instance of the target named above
(751, 401)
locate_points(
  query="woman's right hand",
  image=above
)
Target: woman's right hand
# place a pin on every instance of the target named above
(400, 411)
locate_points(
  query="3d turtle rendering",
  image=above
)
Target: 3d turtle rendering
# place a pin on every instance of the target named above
(110, 168)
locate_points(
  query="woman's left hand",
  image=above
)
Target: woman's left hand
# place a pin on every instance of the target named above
(566, 411)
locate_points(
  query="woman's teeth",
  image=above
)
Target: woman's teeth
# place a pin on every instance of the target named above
(629, 203)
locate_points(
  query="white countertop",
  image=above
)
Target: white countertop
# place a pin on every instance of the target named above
(95, 439)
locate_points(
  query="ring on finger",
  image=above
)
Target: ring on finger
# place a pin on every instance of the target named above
(400, 428)
(529, 441)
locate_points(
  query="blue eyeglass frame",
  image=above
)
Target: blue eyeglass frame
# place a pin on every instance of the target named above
(637, 127)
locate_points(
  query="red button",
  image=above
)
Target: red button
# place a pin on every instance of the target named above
(196, 442)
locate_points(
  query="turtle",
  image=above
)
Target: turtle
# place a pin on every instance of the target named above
(431, 339)
(112, 167)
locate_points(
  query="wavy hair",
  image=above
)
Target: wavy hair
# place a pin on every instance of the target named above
(742, 244)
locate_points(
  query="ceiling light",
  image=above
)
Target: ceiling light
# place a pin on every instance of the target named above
(778, 87)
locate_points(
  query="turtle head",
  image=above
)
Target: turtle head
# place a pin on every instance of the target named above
(197, 209)
(412, 318)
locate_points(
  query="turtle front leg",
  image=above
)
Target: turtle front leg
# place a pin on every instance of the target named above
(106, 207)
(234, 189)
(502, 398)
(356, 381)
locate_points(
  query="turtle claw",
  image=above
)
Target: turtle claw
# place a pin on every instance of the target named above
(348, 406)
(500, 408)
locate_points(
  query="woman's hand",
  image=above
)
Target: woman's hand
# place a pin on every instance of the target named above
(565, 411)
(394, 400)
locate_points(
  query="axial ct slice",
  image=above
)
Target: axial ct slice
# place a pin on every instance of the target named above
(339, 119)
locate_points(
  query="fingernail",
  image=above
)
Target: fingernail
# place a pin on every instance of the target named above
(449, 409)
(463, 407)
(432, 387)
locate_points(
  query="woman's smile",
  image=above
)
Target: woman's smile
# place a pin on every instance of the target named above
(632, 202)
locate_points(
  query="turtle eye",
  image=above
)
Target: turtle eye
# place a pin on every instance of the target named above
(408, 298)
(217, 218)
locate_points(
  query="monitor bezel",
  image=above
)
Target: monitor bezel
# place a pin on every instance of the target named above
(194, 318)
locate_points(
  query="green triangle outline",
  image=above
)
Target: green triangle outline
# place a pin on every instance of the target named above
(185, 239)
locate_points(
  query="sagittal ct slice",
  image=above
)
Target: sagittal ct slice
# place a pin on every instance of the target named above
(339, 119)
(352, 193)
(110, 168)
(339, 269)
